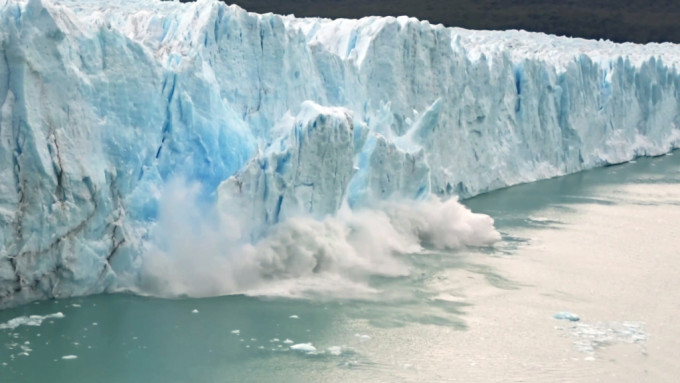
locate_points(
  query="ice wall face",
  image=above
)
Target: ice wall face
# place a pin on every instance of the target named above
(102, 104)
(306, 172)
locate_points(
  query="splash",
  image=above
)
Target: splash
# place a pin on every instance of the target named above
(197, 251)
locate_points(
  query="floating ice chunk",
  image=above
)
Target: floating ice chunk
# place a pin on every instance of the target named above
(236, 332)
(304, 347)
(274, 340)
(69, 357)
(294, 317)
(76, 305)
(591, 336)
(288, 341)
(363, 337)
(32, 320)
(334, 350)
(194, 311)
(565, 315)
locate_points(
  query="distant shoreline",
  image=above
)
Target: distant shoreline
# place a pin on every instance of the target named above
(639, 21)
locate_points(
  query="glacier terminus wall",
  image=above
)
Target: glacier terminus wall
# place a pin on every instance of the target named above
(267, 118)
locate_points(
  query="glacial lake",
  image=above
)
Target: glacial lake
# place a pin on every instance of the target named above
(602, 245)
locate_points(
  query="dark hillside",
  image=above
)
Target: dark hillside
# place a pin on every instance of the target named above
(638, 21)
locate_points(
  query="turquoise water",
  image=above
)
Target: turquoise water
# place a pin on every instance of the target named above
(575, 243)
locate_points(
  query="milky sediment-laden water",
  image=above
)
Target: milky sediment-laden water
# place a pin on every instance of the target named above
(601, 246)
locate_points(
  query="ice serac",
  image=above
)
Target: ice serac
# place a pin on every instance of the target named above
(103, 103)
(305, 172)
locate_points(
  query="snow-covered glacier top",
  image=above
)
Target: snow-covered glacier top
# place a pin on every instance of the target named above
(260, 133)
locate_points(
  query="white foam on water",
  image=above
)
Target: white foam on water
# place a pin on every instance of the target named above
(31, 320)
(69, 357)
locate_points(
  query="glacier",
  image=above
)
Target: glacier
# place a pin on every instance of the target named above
(270, 120)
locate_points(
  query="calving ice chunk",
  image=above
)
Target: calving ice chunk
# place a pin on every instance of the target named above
(274, 127)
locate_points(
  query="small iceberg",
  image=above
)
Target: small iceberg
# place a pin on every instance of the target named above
(304, 347)
(565, 315)
(363, 337)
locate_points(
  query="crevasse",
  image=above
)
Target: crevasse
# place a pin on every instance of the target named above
(103, 103)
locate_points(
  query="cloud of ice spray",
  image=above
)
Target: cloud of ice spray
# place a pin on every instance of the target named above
(199, 252)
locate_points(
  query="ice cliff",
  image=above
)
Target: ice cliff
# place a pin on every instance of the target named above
(103, 104)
